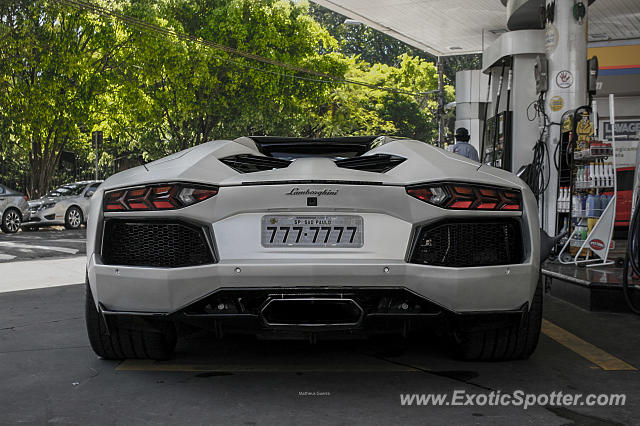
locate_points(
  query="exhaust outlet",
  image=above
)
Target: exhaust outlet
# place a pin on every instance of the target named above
(312, 312)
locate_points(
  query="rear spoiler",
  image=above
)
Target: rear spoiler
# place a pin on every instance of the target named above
(355, 146)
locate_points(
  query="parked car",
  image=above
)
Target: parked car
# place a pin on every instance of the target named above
(14, 209)
(306, 238)
(67, 205)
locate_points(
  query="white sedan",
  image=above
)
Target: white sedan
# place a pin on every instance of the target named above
(67, 205)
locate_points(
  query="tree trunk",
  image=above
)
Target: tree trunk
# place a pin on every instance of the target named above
(43, 166)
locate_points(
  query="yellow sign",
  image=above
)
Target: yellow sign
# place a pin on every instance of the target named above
(584, 128)
(556, 103)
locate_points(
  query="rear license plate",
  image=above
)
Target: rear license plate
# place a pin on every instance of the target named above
(312, 231)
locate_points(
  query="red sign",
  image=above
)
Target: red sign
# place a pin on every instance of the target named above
(596, 244)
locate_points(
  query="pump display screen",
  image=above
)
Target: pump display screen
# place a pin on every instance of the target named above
(496, 149)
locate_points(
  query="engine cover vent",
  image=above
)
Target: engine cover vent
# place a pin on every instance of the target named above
(377, 163)
(249, 163)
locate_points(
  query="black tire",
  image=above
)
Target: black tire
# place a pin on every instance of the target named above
(122, 343)
(73, 218)
(510, 341)
(11, 219)
(566, 257)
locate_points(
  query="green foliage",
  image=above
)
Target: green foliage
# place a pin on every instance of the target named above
(355, 110)
(65, 73)
(54, 63)
(181, 94)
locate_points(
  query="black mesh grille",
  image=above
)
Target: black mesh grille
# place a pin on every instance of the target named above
(160, 244)
(462, 244)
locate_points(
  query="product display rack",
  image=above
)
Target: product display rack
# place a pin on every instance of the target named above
(588, 204)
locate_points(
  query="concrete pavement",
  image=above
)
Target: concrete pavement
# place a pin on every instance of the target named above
(47, 258)
(45, 243)
(31, 274)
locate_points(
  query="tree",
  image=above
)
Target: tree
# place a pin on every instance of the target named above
(54, 62)
(66, 72)
(180, 93)
(354, 109)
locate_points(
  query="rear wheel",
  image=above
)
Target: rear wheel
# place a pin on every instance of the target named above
(516, 339)
(123, 343)
(73, 218)
(11, 221)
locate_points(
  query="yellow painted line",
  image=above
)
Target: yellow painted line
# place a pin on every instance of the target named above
(585, 349)
(148, 365)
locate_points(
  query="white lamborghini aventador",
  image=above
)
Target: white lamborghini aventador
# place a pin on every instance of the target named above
(304, 237)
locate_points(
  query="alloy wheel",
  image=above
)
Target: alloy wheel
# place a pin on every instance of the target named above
(12, 221)
(74, 218)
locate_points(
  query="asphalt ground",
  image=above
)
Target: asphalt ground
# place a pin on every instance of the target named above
(48, 374)
(53, 242)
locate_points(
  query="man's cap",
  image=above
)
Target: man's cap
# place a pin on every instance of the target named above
(462, 135)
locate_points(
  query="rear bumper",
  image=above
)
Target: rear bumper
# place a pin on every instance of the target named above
(310, 313)
(169, 290)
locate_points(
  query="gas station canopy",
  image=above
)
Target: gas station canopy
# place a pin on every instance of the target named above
(457, 27)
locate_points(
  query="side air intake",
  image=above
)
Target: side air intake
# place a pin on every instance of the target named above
(377, 163)
(460, 244)
(154, 244)
(249, 163)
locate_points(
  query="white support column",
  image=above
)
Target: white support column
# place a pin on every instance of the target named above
(566, 50)
(471, 99)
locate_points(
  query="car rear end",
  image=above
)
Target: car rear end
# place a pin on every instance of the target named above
(14, 210)
(301, 257)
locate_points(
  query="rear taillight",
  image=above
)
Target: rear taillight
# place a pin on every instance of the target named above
(157, 197)
(467, 197)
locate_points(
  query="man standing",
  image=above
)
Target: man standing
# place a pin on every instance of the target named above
(463, 147)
